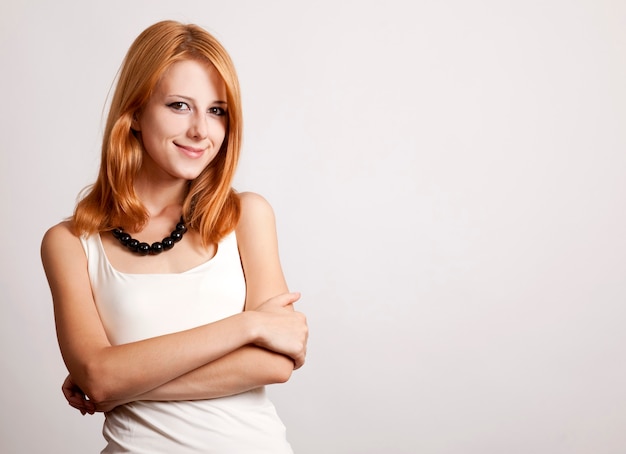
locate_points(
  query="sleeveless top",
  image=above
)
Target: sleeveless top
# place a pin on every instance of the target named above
(133, 307)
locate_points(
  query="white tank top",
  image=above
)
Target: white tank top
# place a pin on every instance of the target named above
(139, 306)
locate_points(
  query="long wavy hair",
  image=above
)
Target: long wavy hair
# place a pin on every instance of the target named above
(211, 205)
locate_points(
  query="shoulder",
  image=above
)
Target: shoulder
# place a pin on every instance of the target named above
(61, 232)
(257, 225)
(252, 203)
(60, 239)
(255, 210)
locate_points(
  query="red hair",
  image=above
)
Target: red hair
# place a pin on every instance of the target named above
(211, 205)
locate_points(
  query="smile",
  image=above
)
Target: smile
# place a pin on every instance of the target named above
(192, 152)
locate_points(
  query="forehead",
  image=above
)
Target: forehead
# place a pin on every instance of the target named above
(187, 77)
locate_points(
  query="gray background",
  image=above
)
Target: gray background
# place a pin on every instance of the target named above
(448, 178)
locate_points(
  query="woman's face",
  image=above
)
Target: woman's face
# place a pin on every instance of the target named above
(183, 125)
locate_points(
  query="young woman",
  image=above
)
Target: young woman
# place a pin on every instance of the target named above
(171, 308)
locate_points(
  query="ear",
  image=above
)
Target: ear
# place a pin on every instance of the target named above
(134, 124)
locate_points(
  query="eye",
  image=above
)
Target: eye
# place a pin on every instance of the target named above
(217, 111)
(179, 105)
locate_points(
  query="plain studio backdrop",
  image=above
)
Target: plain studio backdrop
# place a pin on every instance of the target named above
(448, 179)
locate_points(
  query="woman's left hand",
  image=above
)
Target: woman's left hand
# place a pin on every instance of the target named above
(76, 397)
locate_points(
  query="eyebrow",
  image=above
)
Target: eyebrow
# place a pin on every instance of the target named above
(187, 98)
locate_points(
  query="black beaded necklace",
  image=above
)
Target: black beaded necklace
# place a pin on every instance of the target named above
(140, 248)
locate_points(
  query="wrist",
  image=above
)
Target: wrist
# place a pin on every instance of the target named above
(252, 327)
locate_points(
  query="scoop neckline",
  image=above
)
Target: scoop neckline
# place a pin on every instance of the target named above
(190, 270)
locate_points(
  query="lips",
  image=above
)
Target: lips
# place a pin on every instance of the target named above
(192, 152)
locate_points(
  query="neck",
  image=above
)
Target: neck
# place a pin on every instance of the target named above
(159, 197)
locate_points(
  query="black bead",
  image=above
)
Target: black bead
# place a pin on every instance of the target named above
(176, 235)
(125, 238)
(143, 249)
(132, 244)
(156, 247)
(181, 227)
(117, 233)
(167, 243)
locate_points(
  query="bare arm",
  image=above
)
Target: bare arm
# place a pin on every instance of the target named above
(247, 368)
(108, 373)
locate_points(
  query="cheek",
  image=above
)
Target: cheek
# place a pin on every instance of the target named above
(223, 135)
(219, 128)
(223, 126)
(160, 125)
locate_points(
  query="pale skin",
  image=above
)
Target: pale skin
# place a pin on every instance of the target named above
(182, 128)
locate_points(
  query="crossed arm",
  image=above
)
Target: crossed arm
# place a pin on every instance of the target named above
(260, 346)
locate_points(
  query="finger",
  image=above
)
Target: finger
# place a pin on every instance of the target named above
(70, 388)
(285, 299)
(78, 407)
(73, 393)
(84, 406)
(300, 358)
(298, 363)
(69, 393)
(77, 403)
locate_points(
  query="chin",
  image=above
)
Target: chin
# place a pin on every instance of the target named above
(190, 174)
(191, 170)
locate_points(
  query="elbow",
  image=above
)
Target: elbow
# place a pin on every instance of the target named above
(98, 395)
(283, 376)
(97, 383)
(281, 370)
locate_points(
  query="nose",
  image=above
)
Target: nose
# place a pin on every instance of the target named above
(199, 127)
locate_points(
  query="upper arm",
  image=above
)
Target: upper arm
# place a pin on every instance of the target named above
(258, 248)
(78, 325)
